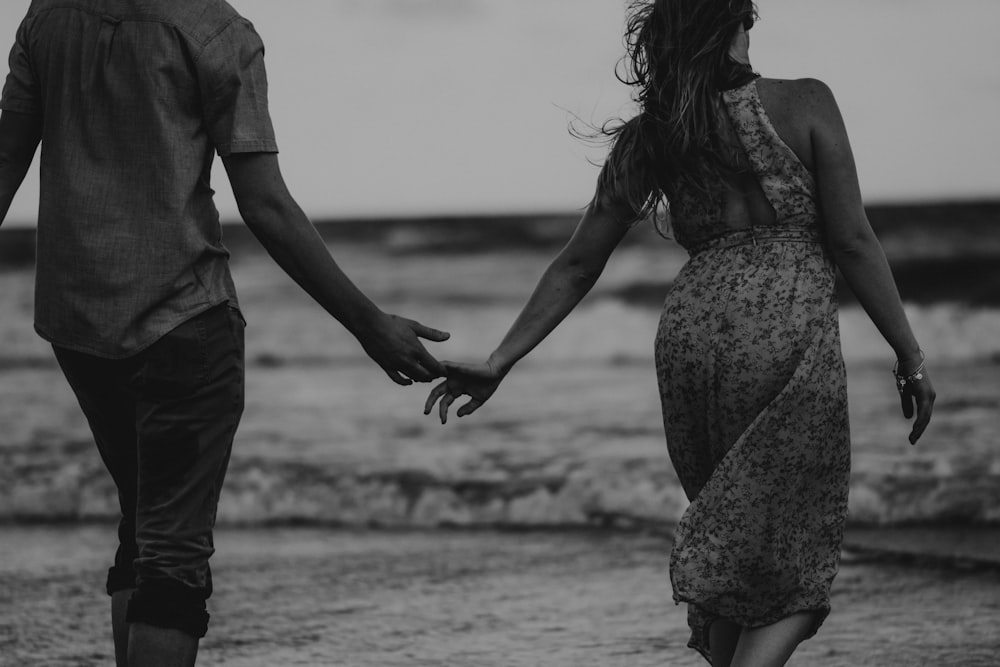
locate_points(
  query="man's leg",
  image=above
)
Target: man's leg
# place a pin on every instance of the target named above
(189, 399)
(772, 645)
(120, 628)
(102, 389)
(723, 635)
(151, 646)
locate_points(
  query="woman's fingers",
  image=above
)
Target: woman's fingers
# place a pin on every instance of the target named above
(446, 402)
(925, 406)
(477, 381)
(470, 407)
(443, 393)
(906, 399)
(918, 427)
(436, 393)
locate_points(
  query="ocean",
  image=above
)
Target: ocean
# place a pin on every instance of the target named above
(573, 438)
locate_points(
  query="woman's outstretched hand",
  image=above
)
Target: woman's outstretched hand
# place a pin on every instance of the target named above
(478, 381)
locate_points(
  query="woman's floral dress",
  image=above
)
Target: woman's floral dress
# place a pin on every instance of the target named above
(754, 398)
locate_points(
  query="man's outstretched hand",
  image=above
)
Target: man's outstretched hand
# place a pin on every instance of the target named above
(393, 343)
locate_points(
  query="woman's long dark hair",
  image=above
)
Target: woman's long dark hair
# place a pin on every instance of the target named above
(677, 57)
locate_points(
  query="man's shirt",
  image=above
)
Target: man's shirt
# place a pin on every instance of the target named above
(135, 96)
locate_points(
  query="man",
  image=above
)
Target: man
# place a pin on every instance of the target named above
(130, 99)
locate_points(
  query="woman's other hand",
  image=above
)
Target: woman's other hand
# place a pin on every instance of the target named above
(478, 381)
(916, 393)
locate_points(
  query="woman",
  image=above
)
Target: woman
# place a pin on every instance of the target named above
(762, 191)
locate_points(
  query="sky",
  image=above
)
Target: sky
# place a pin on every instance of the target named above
(451, 107)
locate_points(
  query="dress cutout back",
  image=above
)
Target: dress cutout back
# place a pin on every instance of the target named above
(788, 186)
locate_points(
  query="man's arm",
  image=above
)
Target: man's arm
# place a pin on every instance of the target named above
(291, 239)
(20, 134)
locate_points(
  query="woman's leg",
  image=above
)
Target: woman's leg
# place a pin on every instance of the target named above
(722, 638)
(772, 645)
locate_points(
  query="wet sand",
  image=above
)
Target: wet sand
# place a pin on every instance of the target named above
(309, 596)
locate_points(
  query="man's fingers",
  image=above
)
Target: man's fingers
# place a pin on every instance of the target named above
(398, 377)
(469, 407)
(436, 393)
(430, 365)
(457, 367)
(435, 335)
(417, 372)
(471, 370)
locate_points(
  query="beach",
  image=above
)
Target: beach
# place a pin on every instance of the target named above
(311, 596)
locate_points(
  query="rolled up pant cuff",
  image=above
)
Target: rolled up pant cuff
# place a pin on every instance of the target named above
(120, 579)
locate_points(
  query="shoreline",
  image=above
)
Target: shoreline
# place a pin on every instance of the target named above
(962, 547)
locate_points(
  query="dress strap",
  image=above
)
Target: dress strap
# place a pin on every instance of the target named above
(787, 184)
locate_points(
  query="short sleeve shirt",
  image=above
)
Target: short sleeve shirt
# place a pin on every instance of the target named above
(135, 97)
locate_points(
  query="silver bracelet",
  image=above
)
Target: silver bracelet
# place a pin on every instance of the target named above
(903, 380)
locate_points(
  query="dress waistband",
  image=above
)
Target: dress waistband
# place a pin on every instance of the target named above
(755, 235)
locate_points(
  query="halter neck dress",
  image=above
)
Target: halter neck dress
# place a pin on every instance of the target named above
(754, 397)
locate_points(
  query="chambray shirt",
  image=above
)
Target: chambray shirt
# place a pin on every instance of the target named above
(135, 96)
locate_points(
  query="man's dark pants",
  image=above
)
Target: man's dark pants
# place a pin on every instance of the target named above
(164, 422)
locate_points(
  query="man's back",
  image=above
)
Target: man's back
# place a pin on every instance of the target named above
(135, 98)
(130, 100)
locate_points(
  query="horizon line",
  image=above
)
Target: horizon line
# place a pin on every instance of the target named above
(561, 213)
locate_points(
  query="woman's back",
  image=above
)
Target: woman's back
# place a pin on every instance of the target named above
(767, 125)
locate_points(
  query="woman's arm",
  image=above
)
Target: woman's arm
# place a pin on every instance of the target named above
(855, 248)
(569, 277)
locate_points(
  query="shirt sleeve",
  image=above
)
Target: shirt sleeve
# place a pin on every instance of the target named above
(21, 91)
(234, 91)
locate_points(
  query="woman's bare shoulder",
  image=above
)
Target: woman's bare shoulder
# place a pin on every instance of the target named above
(797, 108)
(808, 98)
